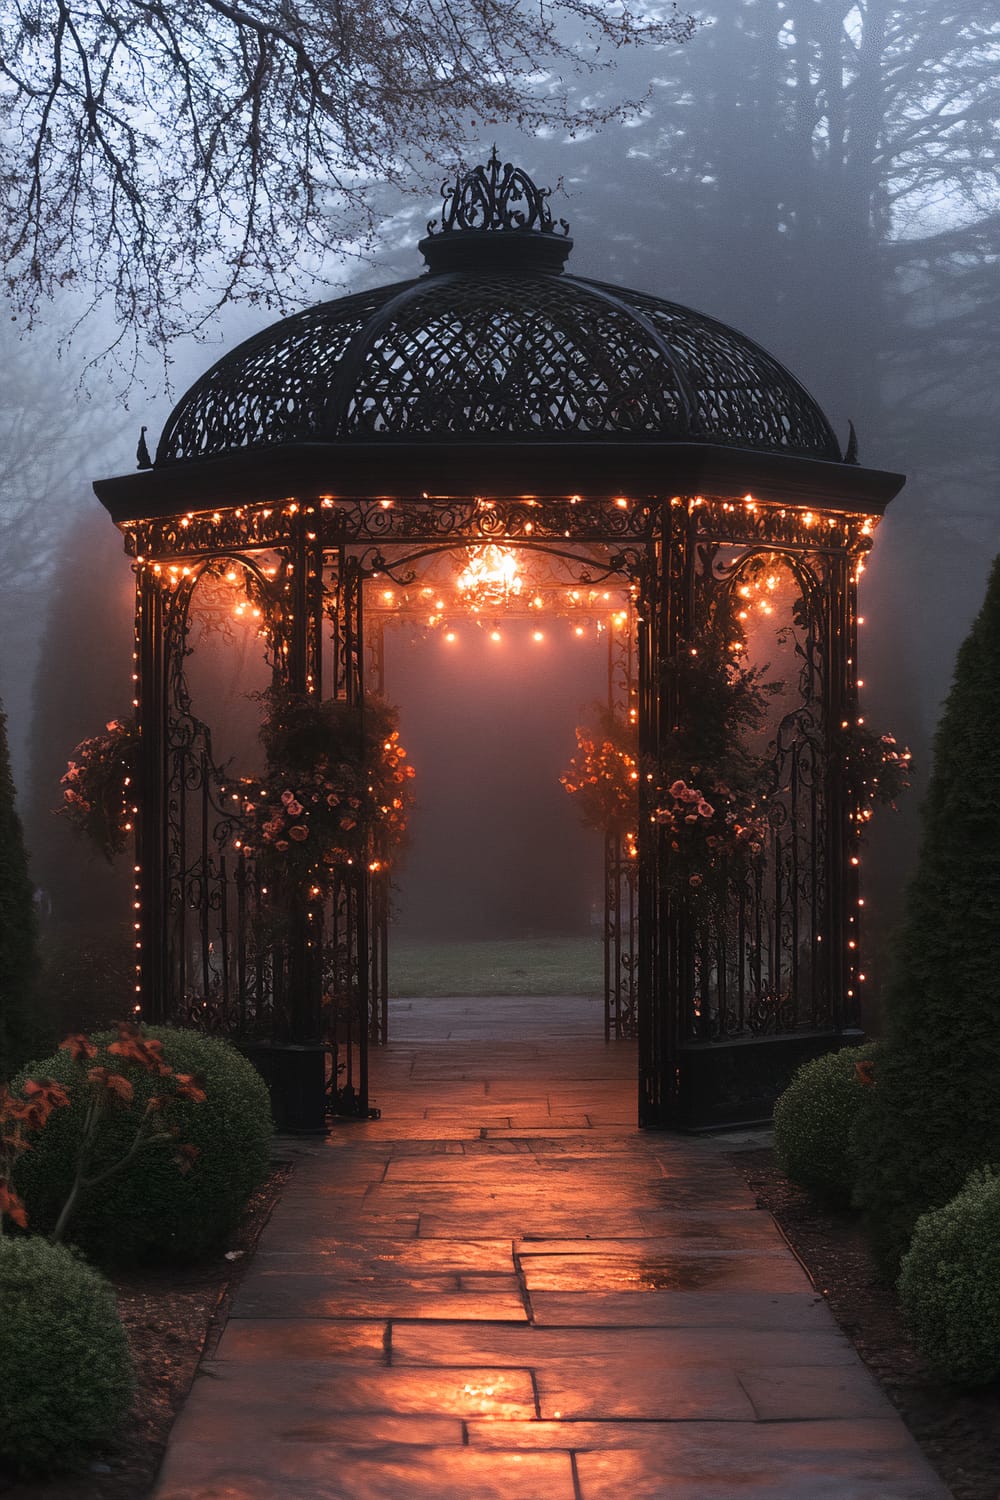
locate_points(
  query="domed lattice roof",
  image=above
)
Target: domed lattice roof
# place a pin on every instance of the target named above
(496, 341)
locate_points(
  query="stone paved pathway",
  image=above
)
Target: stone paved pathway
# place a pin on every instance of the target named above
(503, 1291)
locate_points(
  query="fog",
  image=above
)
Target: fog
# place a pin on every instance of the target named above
(496, 848)
(847, 217)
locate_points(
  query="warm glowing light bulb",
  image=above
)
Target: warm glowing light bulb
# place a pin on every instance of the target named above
(494, 635)
(450, 636)
(537, 635)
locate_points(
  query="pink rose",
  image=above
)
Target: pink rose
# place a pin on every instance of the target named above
(678, 789)
(298, 832)
(706, 809)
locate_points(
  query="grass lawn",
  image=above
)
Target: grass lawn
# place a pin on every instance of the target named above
(496, 966)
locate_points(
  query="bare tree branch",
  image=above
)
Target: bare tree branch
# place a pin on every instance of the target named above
(173, 154)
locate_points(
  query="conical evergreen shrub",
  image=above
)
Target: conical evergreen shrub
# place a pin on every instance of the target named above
(934, 1111)
(18, 956)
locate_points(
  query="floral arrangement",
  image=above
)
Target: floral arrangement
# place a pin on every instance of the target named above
(878, 768)
(709, 790)
(603, 777)
(711, 795)
(336, 791)
(705, 836)
(23, 1115)
(96, 787)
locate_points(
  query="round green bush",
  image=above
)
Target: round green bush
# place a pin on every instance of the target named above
(949, 1283)
(65, 1368)
(813, 1120)
(152, 1210)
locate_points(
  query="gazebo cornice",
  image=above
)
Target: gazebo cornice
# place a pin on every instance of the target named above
(640, 468)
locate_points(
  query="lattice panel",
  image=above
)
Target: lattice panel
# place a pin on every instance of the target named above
(486, 352)
(274, 388)
(745, 397)
(518, 355)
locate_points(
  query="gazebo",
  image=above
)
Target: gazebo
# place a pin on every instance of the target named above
(497, 400)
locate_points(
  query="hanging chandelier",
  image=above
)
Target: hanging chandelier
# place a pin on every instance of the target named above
(490, 579)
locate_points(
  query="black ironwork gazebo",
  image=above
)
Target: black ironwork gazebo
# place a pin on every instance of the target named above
(498, 399)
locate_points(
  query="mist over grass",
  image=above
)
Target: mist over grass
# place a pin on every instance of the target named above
(495, 966)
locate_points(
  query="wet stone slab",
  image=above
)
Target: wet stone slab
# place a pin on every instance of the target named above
(869, 1459)
(766, 1464)
(670, 1309)
(201, 1471)
(263, 1340)
(680, 1270)
(287, 1295)
(231, 1398)
(363, 1256)
(644, 1351)
(518, 1223)
(688, 1231)
(797, 1393)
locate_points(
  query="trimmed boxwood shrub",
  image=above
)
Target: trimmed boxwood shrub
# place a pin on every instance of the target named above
(949, 1284)
(814, 1119)
(151, 1210)
(65, 1368)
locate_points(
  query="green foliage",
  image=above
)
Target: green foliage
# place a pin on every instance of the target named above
(932, 1116)
(949, 1287)
(65, 1369)
(814, 1120)
(153, 1211)
(88, 975)
(724, 700)
(18, 959)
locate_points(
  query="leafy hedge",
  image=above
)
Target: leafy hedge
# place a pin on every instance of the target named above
(949, 1285)
(814, 1120)
(65, 1369)
(932, 1116)
(153, 1211)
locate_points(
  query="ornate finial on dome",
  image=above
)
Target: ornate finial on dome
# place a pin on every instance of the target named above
(496, 213)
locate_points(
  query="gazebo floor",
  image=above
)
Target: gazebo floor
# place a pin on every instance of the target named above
(502, 1290)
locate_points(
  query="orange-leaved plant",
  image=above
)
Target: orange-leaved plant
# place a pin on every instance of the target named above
(24, 1115)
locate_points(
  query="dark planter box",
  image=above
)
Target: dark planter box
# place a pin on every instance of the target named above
(295, 1074)
(724, 1084)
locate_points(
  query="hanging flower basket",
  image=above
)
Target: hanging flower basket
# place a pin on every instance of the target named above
(877, 769)
(603, 777)
(99, 786)
(336, 793)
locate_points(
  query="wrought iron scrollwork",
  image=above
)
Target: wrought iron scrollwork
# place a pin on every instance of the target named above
(495, 196)
(758, 964)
